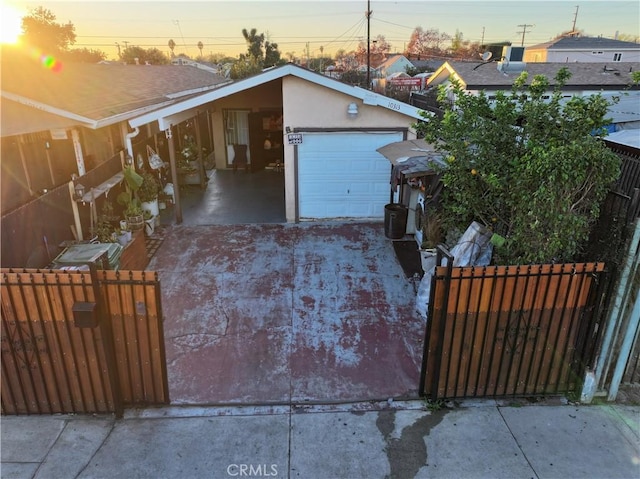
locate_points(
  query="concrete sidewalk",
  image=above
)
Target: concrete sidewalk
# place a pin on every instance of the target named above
(363, 440)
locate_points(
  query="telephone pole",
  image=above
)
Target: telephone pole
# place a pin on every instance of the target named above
(524, 31)
(573, 32)
(368, 15)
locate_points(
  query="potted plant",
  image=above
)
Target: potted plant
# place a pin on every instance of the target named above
(124, 236)
(432, 235)
(104, 231)
(149, 223)
(188, 164)
(133, 210)
(148, 193)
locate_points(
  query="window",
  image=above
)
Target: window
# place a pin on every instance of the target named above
(236, 131)
(617, 57)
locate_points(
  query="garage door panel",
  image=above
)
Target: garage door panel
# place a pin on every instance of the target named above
(341, 175)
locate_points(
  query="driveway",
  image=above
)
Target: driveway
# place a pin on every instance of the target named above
(279, 313)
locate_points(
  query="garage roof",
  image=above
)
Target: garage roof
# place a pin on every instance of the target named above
(176, 113)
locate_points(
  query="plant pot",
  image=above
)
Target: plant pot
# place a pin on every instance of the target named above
(191, 178)
(135, 222)
(152, 207)
(428, 258)
(150, 226)
(124, 238)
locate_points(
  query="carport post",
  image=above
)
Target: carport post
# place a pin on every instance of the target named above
(174, 175)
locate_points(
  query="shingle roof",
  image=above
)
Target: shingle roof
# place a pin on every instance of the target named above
(606, 76)
(17, 119)
(588, 43)
(99, 91)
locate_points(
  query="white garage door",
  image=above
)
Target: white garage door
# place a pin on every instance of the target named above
(341, 175)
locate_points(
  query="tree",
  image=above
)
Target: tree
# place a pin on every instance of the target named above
(200, 47)
(171, 45)
(271, 55)
(42, 31)
(354, 77)
(260, 54)
(378, 51)
(84, 55)
(532, 170)
(152, 56)
(244, 68)
(426, 43)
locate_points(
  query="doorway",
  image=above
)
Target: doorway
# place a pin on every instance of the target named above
(236, 132)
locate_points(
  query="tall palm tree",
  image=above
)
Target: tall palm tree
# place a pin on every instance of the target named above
(172, 45)
(200, 47)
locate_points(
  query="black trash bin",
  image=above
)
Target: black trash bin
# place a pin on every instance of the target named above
(395, 220)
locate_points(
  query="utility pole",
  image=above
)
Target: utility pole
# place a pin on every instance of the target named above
(368, 15)
(575, 19)
(482, 41)
(524, 31)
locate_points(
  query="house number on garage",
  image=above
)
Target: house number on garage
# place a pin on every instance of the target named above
(394, 106)
(295, 138)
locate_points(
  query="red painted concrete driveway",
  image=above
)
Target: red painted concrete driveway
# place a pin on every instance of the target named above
(280, 313)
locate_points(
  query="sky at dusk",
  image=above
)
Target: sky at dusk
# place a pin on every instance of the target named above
(313, 26)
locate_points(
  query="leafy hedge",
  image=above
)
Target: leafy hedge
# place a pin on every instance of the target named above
(528, 165)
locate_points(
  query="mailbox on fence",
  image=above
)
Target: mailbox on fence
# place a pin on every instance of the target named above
(85, 315)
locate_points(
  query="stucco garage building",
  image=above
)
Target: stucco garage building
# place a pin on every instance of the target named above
(325, 132)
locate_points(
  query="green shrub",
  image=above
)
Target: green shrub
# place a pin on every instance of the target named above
(532, 169)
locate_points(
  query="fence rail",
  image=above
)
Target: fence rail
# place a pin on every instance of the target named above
(51, 363)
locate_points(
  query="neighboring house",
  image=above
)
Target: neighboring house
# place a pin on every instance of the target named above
(426, 65)
(216, 69)
(612, 81)
(395, 63)
(583, 50)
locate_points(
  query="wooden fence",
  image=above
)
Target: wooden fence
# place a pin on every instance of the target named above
(509, 330)
(81, 342)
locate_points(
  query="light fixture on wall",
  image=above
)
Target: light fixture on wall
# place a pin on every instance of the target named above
(78, 191)
(352, 110)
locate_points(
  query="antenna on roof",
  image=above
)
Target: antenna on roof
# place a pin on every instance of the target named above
(486, 58)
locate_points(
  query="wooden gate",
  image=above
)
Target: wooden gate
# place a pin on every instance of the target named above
(81, 342)
(510, 330)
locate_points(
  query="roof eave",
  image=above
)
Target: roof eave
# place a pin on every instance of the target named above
(84, 121)
(164, 119)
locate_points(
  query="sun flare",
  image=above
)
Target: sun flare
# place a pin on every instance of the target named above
(11, 20)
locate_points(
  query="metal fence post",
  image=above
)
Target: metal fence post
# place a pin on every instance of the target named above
(106, 332)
